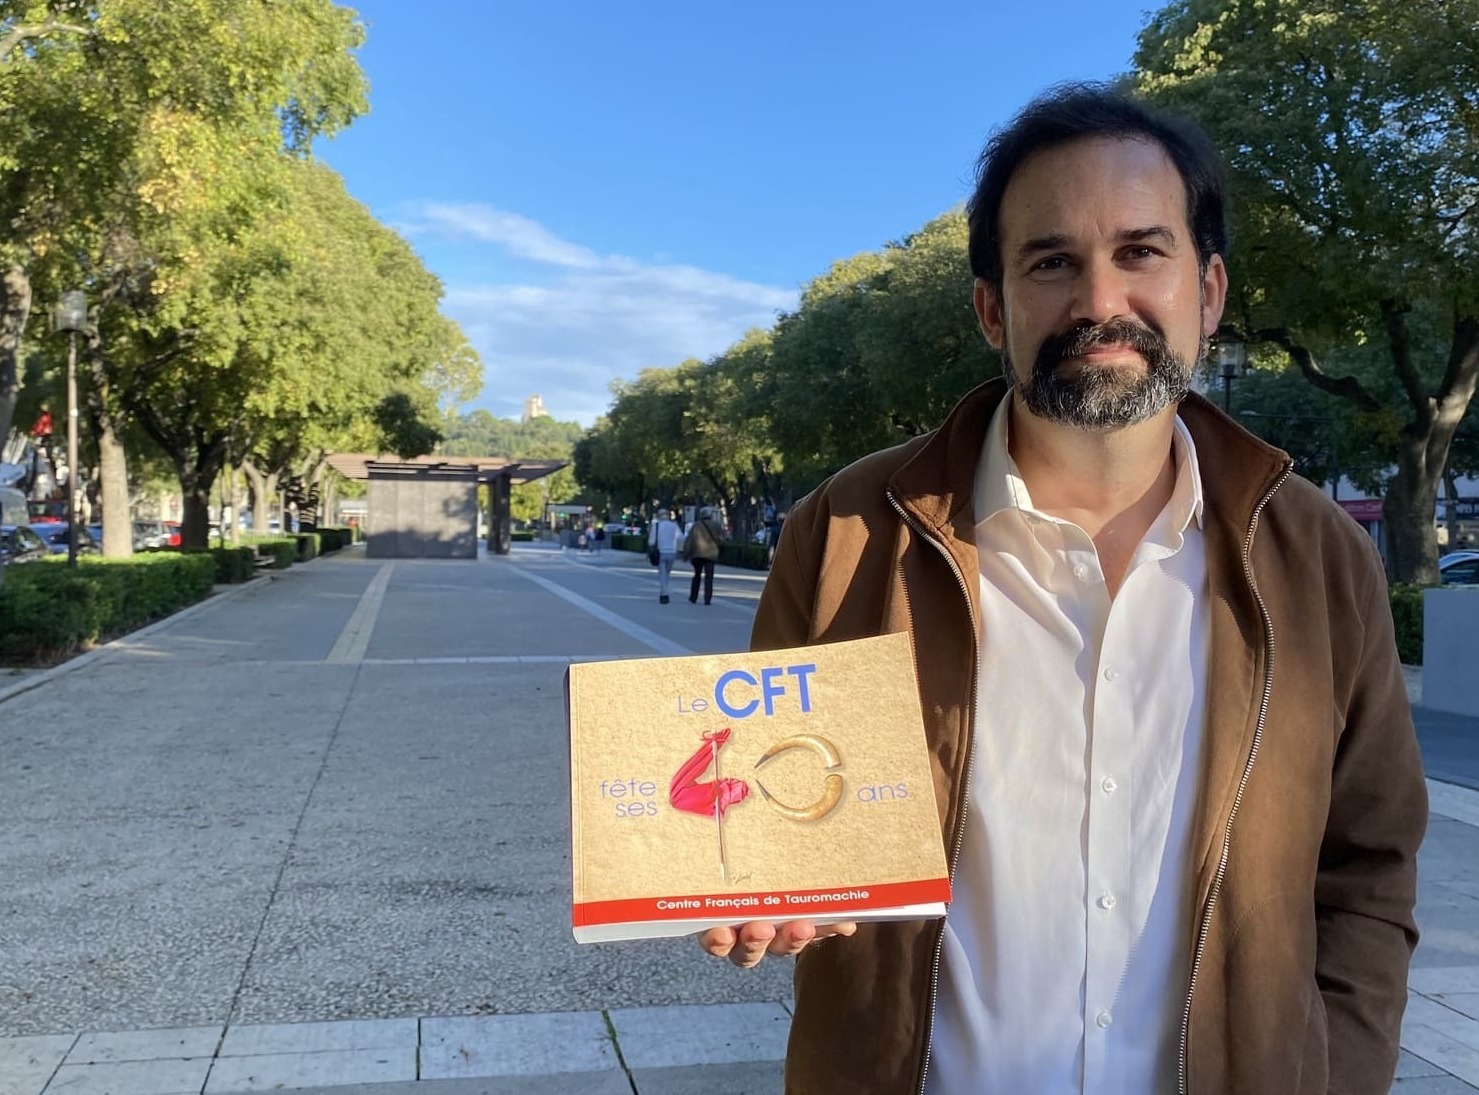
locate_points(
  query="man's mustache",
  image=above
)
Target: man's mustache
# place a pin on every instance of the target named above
(1150, 344)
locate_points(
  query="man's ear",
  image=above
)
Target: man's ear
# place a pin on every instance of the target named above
(1214, 295)
(987, 299)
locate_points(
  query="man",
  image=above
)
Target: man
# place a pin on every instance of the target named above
(1174, 761)
(704, 540)
(663, 537)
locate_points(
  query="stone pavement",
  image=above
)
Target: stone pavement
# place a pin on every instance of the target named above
(313, 837)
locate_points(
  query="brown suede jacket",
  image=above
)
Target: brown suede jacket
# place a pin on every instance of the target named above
(1312, 803)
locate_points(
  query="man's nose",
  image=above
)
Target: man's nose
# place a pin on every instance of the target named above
(1099, 293)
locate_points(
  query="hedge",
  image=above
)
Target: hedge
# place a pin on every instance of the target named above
(626, 541)
(49, 609)
(308, 548)
(234, 565)
(1407, 616)
(283, 550)
(745, 556)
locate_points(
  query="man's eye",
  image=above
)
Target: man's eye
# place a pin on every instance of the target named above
(1139, 254)
(1053, 262)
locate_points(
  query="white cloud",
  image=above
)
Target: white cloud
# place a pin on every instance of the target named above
(587, 319)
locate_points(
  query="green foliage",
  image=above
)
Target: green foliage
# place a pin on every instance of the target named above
(308, 546)
(747, 556)
(283, 549)
(1352, 140)
(1407, 615)
(234, 564)
(48, 610)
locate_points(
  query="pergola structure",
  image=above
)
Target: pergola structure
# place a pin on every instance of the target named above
(427, 507)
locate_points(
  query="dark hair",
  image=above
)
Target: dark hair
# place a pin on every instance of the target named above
(1069, 112)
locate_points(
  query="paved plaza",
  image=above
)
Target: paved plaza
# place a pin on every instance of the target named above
(314, 835)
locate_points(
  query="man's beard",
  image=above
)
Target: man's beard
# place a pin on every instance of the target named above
(1103, 397)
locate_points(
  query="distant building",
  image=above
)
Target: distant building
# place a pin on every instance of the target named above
(534, 408)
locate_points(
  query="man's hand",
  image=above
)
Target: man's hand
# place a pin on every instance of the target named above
(746, 946)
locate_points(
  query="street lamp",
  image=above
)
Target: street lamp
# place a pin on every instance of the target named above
(71, 316)
(1324, 420)
(1231, 354)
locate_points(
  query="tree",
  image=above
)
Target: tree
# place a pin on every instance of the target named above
(1352, 137)
(93, 90)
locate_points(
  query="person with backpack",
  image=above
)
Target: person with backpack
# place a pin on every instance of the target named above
(702, 549)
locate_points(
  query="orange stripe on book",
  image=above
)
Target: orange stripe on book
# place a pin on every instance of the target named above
(772, 905)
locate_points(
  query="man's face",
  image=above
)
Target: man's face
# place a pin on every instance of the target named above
(1102, 313)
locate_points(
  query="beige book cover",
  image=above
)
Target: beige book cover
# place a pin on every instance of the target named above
(784, 785)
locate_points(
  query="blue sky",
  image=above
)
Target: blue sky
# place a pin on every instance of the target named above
(604, 187)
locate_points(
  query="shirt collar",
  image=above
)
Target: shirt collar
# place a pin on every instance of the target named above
(1000, 486)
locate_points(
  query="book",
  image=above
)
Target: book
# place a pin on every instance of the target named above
(782, 785)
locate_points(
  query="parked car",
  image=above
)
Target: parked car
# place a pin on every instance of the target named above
(97, 534)
(149, 535)
(18, 544)
(172, 529)
(54, 534)
(1459, 568)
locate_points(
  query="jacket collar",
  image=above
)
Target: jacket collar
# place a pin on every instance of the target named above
(937, 483)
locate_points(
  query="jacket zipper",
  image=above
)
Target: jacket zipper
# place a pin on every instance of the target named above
(970, 757)
(1268, 687)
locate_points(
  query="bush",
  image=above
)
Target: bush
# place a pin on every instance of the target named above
(522, 537)
(49, 609)
(234, 565)
(626, 541)
(284, 551)
(308, 546)
(1407, 617)
(746, 556)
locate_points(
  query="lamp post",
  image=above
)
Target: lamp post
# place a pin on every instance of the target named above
(1232, 363)
(71, 316)
(1324, 420)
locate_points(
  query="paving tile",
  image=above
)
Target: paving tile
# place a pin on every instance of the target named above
(1435, 1016)
(289, 1038)
(701, 1034)
(1433, 1085)
(1438, 1048)
(516, 1045)
(1444, 980)
(274, 1071)
(131, 1078)
(612, 1082)
(752, 1078)
(145, 1045)
(1410, 1065)
(26, 1064)
(1450, 801)
(1465, 1002)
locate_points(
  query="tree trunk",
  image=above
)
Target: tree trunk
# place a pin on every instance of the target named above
(117, 520)
(15, 309)
(195, 522)
(261, 495)
(1407, 512)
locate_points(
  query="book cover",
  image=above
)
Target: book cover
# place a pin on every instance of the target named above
(783, 785)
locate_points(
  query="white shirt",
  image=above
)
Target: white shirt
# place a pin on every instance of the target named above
(664, 535)
(1065, 954)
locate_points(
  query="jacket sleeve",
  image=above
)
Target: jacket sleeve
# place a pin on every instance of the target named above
(784, 618)
(1366, 887)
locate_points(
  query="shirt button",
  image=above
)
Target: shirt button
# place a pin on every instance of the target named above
(1110, 674)
(1106, 901)
(1103, 1019)
(1081, 572)
(1109, 786)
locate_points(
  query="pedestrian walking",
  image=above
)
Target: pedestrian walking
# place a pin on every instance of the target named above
(663, 536)
(702, 547)
(1173, 754)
